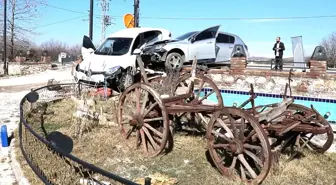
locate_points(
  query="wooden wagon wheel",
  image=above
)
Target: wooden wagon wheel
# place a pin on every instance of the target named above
(205, 92)
(204, 89)
(309, 140)
(238, 145)
(143, 118)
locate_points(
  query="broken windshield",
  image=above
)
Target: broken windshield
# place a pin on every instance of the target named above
(114, 46)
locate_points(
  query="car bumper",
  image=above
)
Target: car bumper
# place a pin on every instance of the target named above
(96, 78)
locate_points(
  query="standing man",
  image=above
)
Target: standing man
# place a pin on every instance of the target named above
(278, 49)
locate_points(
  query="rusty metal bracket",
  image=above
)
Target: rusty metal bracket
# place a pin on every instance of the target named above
(288, 85)
(251, 99)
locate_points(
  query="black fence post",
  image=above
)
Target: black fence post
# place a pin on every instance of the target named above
(148, 181)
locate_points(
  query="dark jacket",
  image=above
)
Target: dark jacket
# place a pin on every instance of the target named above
(282, 48)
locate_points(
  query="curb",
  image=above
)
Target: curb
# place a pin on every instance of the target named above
(19, 176)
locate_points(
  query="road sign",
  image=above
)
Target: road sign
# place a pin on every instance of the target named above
(129, 20)
(63, 55)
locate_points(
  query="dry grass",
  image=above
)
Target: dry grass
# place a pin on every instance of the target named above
(188, 162)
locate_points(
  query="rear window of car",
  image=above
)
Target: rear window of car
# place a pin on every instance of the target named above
(224, 38)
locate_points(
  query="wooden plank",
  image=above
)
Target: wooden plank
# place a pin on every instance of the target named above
(172, 109)
(289, 127)
(270, 114)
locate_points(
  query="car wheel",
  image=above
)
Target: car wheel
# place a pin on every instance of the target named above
(126, 80)
(174, 61)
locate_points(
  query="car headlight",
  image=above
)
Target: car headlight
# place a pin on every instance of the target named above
(112, 70)
(158, 47)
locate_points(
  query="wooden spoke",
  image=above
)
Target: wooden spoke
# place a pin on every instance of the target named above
(156, 132)
(153, 119)
(206, 96)
(242, 130)
(149, 136)
(200, 89)
(249, 136)
(144, 143)
(249, 146)
(226, 128)
(137, 141)
(247, 166)
(242, 172)
(143, 107)
(254, 157)
(150, 109)
(233, 125)
(220, 145)
(221, 135)
(130, 132)
(233, 164)
(137, 94)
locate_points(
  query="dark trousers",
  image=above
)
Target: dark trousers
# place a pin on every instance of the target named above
(278, 63)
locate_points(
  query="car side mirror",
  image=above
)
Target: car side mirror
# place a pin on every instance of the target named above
(137, 52)
(192, 40)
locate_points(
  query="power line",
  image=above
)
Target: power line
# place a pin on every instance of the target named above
(210, 18)
(60, 22)
(60, 8)
(241, 18)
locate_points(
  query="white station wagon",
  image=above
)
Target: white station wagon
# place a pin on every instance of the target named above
(114, 61)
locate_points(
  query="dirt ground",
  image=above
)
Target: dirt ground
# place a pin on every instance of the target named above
(187, 163)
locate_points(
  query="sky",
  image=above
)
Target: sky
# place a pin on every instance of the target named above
(258, 34)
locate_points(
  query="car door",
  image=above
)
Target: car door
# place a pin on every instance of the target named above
(223, 42)
(87, 47)
(231, 44)
(203, 44)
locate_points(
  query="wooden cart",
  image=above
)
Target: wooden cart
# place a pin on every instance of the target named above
(237, 138)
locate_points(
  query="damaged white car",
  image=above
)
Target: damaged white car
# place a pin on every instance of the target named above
(208, 46)
(114, 61)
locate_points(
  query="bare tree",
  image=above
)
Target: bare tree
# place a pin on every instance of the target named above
(22, 16)
(75, 50)
(329, 43)
(54, 48)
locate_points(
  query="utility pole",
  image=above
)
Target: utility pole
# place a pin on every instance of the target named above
(106, 19)
(5, 67)
(91, 20)
(136, 13)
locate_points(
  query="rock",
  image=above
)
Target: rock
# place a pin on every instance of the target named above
(215, 77)
(330, 85)
(281, 81)
(303, 87)
(260, 80)
(269, 86)
(229, 79)
(250, 80)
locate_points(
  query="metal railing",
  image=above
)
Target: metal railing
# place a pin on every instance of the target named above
(270, 64)
(50, 160)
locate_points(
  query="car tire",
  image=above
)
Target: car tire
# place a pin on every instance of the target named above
(126, 80)
(174, 61)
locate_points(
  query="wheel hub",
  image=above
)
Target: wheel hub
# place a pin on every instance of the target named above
(236, 146)
(137, 121)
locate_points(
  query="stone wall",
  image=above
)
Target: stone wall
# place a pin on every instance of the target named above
(25, 68)
(312, 87)
(315, 82)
